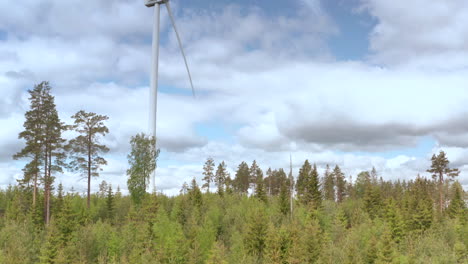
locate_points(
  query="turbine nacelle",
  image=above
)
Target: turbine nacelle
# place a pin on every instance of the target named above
(150, 3)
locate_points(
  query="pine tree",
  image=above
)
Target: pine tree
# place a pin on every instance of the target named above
(208, 170)
(340, 184)
(85, 149)
(52, 146)
(142, 160)
(33, 135)
(44, 143)
(439, 168)
(328, 185)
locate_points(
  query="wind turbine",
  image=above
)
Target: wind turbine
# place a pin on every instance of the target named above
(155, 63)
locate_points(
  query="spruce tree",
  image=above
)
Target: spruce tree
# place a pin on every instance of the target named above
(313, 238)
(253, 174)
(195, 195)
(110, 206)
(386, 249)
(328, 185)
(220, 178)
(256, 235)
(340, 184)
(303, 180)
(313, 194)
(241, 180)
(457, 207)
(284, 202)
(260, 187)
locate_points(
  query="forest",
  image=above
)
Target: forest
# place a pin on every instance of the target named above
(253, 216)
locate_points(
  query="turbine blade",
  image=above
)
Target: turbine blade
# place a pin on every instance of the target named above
(180, 45)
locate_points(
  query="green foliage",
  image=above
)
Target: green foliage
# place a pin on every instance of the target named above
(256, 234)
(329, 185)
(196, 227)
(457, 207)
(142, 161)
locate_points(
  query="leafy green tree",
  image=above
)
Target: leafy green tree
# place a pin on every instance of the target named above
(439, 168)
(329, 184)
(85, 150)
(208, 170)
(142, 160)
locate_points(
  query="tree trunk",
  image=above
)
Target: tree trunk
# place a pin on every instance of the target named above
(35, 190)
(46, 162)
(441, 196)
(49, 187)
(89, 171)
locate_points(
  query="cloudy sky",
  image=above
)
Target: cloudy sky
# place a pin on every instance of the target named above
(358, 83)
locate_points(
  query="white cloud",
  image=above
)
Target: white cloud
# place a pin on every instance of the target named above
(427, 34)
(273, 79)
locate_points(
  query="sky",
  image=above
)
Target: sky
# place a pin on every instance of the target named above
(354, 83)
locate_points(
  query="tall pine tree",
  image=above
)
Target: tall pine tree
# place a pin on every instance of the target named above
(85, 149)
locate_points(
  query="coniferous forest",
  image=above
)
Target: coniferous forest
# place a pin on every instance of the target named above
(319, 215)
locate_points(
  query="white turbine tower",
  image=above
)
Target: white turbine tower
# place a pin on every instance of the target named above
(155, 59)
